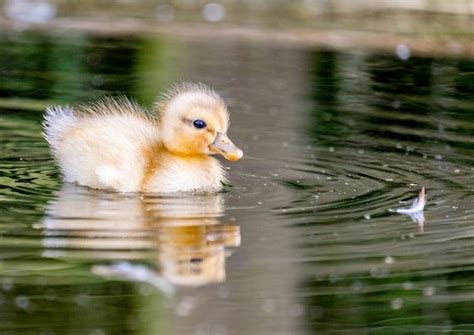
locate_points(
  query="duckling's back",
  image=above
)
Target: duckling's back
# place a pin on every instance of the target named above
(101, 145)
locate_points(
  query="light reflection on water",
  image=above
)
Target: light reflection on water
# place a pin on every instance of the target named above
(303, 241)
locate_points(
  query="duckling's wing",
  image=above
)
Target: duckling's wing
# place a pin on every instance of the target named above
(101, 145)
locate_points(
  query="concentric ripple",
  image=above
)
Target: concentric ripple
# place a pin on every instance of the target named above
(303, 239)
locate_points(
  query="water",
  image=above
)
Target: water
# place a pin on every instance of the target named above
(302, 243)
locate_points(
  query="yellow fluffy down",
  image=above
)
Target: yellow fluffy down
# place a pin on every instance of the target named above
(114, 144)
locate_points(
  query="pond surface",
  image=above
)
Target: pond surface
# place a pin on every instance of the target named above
(302, 243)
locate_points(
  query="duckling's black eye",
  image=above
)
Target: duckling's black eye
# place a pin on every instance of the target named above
(199, 124)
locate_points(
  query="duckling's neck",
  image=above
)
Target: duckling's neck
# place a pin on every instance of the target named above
(165, 171)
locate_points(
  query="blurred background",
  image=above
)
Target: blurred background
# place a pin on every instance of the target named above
(426, 25)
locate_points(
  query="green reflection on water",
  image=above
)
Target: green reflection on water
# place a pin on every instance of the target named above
(365, 111)
(42, 294)
(409, 104)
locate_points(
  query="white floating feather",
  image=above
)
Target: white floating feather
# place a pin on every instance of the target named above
(418, 204)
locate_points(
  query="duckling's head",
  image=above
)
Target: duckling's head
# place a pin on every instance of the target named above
(193, 121)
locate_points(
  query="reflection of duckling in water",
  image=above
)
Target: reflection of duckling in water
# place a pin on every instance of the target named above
(114, 144)
(183, 235)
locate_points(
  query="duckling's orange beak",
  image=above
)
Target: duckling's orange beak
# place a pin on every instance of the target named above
(224, 146)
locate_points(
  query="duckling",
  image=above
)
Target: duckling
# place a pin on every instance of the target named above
(115, 144)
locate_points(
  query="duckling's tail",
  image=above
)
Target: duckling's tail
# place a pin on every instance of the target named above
(57, 120)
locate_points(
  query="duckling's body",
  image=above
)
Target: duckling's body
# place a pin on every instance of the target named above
(114, 144)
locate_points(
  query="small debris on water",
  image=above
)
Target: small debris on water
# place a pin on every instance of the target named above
(417, 206)
(403, 51)
(428, 291)
(7, 284)
(389, 260)
(408, 285)
(22, 302)
(415, 211)
(397, 303)
(213, 12)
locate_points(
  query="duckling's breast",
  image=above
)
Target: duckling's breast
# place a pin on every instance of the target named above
(169, 174)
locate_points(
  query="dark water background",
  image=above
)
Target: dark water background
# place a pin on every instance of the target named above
(303, 243)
